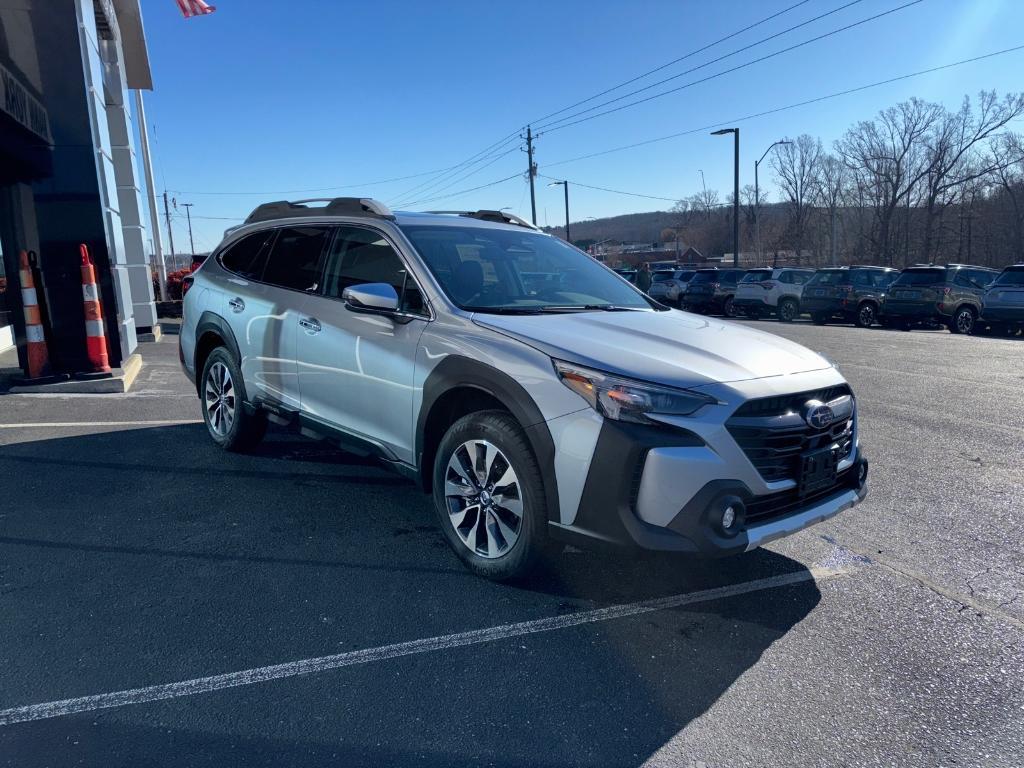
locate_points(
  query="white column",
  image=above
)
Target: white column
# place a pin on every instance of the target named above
(93, 69)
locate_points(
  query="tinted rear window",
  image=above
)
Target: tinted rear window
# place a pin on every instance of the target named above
(756, 276)
(705, 277)
(1012, 276)
(831, 277)
(657, 277)
(921, 277)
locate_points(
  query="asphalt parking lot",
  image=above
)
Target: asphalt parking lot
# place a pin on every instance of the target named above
(164, 603)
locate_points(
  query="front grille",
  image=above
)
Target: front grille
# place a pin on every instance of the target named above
(783, 404)
(763, 509)
(775, 452)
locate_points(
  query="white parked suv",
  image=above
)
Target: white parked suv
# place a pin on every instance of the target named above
(763, 292)
(563, 407)
(669, 285)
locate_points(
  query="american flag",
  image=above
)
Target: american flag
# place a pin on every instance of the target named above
(190, 8)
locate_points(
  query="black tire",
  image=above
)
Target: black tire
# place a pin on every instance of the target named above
(867, 315)
(245, 429)
(788, 310)
(819, 318)
(502, 431)
(729, 308)
(963, 320)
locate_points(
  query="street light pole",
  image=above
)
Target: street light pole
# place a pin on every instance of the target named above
(565, 186)
(736, 192)
(757, 200)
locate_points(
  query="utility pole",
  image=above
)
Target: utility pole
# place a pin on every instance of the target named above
(170, 232)
(531, 172)
(565, 186)
(154, 217)
(188, 215)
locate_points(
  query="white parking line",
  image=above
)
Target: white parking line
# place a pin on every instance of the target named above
(381, 653)
(45, 424)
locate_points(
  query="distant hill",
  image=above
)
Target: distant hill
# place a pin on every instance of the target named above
(628, 228)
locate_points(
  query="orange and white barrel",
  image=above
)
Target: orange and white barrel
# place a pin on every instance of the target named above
(95, 333)
(35, 336)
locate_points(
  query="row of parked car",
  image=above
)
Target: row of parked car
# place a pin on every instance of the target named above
(962, 297)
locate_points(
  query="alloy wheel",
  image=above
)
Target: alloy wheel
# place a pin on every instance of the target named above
(484, 499)
(787, 311)
(965, 321)
(220, 398)
(867, 316)
(730, 308)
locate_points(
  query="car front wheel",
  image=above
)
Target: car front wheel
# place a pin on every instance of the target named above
(489, 495)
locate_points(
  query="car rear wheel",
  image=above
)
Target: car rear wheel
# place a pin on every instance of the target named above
(222, 396)
(729, 308)
(489, 495)
(866, 315)
(788, 310)
(962, 321)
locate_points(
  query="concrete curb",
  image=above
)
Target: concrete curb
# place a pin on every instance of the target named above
(119, 382)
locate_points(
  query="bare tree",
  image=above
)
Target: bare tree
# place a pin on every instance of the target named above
(796, 166)
(886, 155)
(830, 188)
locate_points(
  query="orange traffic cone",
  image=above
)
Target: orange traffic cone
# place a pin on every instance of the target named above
(35, 337)
(95, 334)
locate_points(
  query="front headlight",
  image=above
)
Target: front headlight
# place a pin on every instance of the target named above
(627, 400)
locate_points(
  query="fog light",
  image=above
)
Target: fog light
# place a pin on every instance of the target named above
(728, 517)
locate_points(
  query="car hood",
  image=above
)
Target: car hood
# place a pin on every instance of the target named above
(669, 347)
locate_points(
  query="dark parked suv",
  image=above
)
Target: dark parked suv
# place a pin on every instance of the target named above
(712, 290)
(852, 294)
(949, 295)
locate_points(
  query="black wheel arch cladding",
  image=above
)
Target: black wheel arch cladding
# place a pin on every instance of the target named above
(211, 322)
(455, 372)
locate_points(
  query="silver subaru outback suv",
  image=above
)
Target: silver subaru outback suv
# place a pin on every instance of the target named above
(538, 396)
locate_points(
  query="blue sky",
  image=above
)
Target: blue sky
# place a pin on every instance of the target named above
(265, 97)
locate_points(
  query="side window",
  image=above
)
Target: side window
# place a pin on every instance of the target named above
(786, 277)
(802, 278)
(295, 258)
(248, 256)
(861, 278)
(963, 280)
(981, 276)
(884, 279)
(359, 256)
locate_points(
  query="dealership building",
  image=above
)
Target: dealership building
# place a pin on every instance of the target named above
(69, 171)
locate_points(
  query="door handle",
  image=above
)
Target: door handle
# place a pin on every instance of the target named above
(236, 304)
(311, 324)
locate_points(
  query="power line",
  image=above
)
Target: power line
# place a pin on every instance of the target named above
(314, 189)
(776, 110)
(463, 177)
(554, 127)
(674, 61)
(471, 189)
(484, 154)
(616, 191)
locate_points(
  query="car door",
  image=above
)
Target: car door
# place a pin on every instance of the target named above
(292, 273)
(245, 303)
(356, 368)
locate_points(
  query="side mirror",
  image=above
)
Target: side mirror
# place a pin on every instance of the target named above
(380, 298)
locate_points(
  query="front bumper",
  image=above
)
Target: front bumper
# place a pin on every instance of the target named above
(665, 489)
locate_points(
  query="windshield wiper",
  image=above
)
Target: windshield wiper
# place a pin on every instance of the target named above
(506, 310)
(589, 308)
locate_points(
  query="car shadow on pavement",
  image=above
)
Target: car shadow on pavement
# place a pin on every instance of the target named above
(146, 556)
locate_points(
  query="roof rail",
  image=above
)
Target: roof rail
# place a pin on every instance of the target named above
(499, 217)
(336, 206)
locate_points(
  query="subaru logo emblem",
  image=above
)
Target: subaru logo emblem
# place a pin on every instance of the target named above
(817, 414)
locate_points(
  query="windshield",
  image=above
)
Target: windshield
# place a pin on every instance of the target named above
(921, 277)
(510, 271)
(1014, 276)
(756, 276)
(705, 277)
